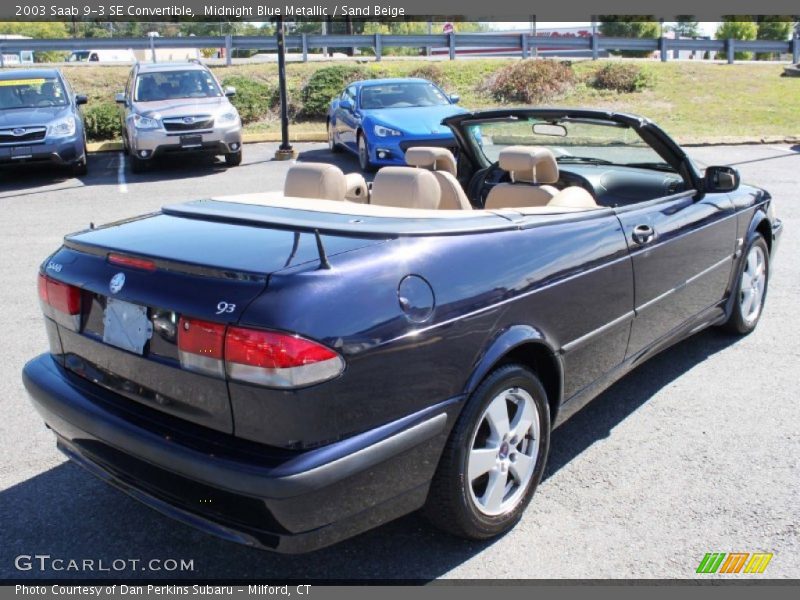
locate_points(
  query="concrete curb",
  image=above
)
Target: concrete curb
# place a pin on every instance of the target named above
(321, 136)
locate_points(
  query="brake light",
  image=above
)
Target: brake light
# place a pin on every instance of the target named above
(262, 357)
(131, 261)
(200, 346)
(60, 301)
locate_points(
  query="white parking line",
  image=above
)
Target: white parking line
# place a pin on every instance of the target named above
(122, 185)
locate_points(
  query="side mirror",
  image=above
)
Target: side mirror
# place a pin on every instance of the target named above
(454, 98)
(229, 91)
(346, 105)
(80, 99)
(119, 98)
(721, 179)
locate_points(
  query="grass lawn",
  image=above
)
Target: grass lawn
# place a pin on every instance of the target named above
(693, 101)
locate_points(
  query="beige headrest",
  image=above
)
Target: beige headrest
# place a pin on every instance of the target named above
(530, 164)
(357, 190)
(405, 187)
(428, 157)
(315, 180)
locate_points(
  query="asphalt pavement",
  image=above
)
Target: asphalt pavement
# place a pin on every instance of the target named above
(697, 451)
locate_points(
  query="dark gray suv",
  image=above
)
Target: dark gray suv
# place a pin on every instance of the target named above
(40, 120)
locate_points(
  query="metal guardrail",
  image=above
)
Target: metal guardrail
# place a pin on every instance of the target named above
(523, 43)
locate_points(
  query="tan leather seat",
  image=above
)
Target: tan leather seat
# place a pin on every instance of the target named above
(315, 180)
(573, 197)
(531, 169)
(442, 164)
(405, 187)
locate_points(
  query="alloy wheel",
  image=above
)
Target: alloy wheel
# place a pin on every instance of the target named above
(752, 285)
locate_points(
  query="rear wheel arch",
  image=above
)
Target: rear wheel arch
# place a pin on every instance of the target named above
(526, 346)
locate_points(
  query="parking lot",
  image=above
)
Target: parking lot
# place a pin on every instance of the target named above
(697, 451)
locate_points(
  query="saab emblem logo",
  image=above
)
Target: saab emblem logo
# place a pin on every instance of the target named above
(19, 131)
(116, 283)
(734, 562)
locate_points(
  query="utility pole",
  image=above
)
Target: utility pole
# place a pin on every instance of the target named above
(285, 151)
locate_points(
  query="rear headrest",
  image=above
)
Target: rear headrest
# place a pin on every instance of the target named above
(315, 180)
(405, 187)
(529, 164)
(437, 159)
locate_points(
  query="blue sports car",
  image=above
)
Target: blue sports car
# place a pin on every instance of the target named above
(380, 119)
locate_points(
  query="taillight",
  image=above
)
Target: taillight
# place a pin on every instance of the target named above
(278, 359)
(200, 346)
(265, 358)
(60, 301)
(131, 261)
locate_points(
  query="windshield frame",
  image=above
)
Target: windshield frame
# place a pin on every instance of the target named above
(176, 72)
(447, 101)
(53, 78)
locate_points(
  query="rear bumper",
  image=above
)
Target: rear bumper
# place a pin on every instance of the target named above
(63, 152)
(292, 504)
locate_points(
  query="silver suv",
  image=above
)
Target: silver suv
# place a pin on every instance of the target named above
(178, 107)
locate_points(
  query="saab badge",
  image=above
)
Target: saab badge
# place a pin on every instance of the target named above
(116, 283)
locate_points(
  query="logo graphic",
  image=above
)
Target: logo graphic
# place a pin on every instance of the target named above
(188, 120)
(734, 562)
(116, 283)
(19, 131)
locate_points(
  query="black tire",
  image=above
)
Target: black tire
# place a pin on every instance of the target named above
(739, 322)
(80, 168)
(363, 154)
(233, 159)
(137, 164)
(452, 503)
(332, 145)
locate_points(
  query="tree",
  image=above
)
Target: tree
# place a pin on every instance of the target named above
(738, 27)
(685, 26)
(631, 26)
(773, 28)
(38, 29)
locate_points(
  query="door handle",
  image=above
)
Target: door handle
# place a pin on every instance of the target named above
(643, 234)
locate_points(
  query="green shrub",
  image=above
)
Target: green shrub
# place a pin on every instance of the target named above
(254, 99)
(325, 84)
(431, 72)
(531, 81)
(102, 121)
(621, 77)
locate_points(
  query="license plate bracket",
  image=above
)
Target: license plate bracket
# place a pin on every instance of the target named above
(191, 141)
(126, 325)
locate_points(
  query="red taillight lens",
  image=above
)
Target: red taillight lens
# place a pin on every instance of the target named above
(60, 301)
(270, 350)
(200, 346)
(132, 261)
(63, 297)
(261, 357)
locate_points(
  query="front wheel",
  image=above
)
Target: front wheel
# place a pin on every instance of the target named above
(751, 288)
(363, 155)
(233, 159)
(332, 145)
(494, 458)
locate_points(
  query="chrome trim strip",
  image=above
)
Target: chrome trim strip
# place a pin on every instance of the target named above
(682, 285)
(577, 342)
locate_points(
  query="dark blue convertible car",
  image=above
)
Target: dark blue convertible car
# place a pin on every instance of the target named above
(287, 370)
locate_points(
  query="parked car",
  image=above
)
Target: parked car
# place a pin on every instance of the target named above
(107, 55)
(178, 107)
(379, 119)
(40, 120)
(287, 370)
